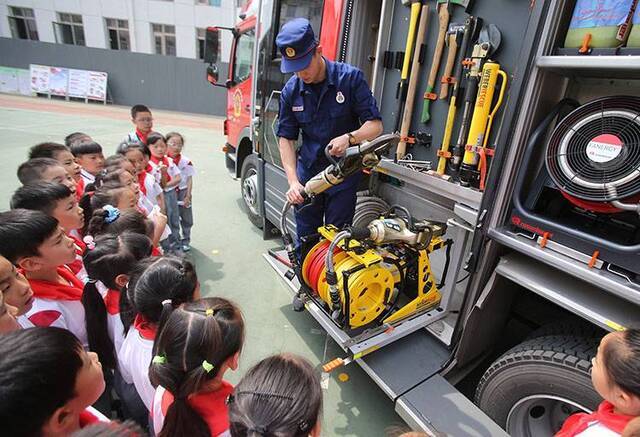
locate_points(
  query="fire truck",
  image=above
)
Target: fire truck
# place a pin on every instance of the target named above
(537, 216)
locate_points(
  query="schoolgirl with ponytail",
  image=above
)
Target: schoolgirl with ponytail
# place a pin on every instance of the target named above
(280, 396)
(154, 280)
(196, 344)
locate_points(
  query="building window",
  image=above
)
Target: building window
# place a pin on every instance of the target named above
(208, 2)
(164, 38)
(22, 23)
(69, 29)
(118, 33)
(200, 42)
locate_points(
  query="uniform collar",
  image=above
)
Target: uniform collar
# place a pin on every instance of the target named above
(329, 76)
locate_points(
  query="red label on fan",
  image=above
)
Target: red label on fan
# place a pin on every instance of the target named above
(604, 148)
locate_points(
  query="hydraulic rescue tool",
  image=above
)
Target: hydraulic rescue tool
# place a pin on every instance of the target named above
(468, 35)
(413, 82)
(443, 23)
(483, 114)
(452, 49)
(488, 43)
(404, 74)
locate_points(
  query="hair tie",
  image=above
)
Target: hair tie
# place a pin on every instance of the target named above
(89, 241)
(207, 366)
(88, 280)
(209, 312)
(159, 359)
(112, 213)
(230, 399)
(167, 302)
(303, 425)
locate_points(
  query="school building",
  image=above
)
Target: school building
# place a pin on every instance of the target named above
(146, 46)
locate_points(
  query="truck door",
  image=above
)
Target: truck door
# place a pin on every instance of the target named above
(239, 95)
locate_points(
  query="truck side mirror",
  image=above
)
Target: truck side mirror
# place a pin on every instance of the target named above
(212, 74)
(212, 45)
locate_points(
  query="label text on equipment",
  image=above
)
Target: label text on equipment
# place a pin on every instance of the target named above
(604, 148)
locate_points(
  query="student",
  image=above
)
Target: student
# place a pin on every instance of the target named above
(48, 383)
(175, 143)
(76, 138)
(120, 177)
(154, 281)
(114, 193)
(615, 374)
(151, 192)
(89, 156)
(15, 288)
(119, 162)
(170, 178)
(63, 155)
(143, 121)
(45, 169)
(8, 317)
(281, 396)
(111, 220)
(196, 344)
(36, 243)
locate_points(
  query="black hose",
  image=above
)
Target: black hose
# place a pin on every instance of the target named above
(447, 260)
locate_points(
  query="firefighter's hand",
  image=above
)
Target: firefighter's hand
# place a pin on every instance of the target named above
(293, 195)
(339, 145)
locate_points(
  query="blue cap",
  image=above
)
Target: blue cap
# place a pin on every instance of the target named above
(296, 42)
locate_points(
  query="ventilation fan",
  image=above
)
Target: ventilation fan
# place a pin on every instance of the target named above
(593, 155)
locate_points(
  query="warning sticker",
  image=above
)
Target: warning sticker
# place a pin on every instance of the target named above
(604, 148)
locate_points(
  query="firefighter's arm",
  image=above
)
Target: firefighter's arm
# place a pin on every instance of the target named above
(288, 156)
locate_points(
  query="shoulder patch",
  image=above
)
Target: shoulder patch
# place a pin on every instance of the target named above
(297, 108)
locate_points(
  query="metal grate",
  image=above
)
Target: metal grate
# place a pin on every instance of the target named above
(594, 152)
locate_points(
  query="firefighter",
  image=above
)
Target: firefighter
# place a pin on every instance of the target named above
(331, 103)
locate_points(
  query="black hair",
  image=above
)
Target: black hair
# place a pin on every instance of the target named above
(103, 191)
(41, 196)
(73, 137)
(154, 137)
(110, 429)
(126, 146)
(32, 170)
(47, 150)
(38, 371)
(174, 134)
(621, 358)
(205, 332)
(23, 231)
(279, 396)
(79, 149)
(154, 280)
(135, 109)
(129, 220)
(114, 162)
(112, 255)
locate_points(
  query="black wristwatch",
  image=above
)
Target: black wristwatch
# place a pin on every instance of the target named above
(352, 139)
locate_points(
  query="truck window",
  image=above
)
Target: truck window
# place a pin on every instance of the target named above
(290, 9)
(243, 57)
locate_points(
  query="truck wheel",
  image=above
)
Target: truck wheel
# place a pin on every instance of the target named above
(532, 388)
(575, 328)
(249, 189)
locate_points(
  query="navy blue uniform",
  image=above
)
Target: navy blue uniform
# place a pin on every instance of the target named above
(323, 112)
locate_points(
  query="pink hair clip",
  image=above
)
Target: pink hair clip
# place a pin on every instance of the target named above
(89, 241)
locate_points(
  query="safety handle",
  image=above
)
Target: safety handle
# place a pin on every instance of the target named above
(503, 87)
(329, 156)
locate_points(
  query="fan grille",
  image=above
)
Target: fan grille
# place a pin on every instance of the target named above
(594, 152)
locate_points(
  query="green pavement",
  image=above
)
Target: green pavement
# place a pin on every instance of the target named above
(227, 251)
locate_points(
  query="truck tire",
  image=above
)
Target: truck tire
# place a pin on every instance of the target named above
(532, 388)
(249, 189)
(575, 328)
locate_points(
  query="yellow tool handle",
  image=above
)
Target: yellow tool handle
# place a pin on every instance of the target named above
(503, 87)
(448, 67)
(413, 82)
(415, 12)
(333, 365)
(448, 130)
(481, 111)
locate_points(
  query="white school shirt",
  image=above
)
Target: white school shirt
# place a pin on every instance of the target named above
(172, 170)
(87, 177)
(134, 359)
(67, 314)
(152, 191)
(187, 170)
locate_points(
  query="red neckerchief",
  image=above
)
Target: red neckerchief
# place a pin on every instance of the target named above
(577, 423)
(86, 418)
(155, 251)
(141, 177)
(142, 137)
(81, 247)
(57, 291)
(176, 159)
(147, 330)
(79, 188)
(165, 161)
(112, 301)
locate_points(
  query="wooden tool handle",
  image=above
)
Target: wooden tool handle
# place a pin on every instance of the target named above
(448, 68)
(413, 83)
(443, 23)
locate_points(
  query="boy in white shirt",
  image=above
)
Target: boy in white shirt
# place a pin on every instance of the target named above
(175, 143)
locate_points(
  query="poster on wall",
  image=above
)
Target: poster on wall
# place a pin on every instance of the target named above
(78, 83)
(39, 78)
(97, 85)
(58, 81)
(8, 80)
